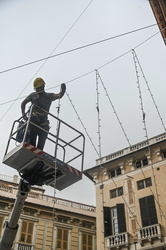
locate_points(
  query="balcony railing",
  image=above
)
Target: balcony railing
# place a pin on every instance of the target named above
(133, 148)
(150, 232)
(50, 199)
(117, 240)
(23, 246)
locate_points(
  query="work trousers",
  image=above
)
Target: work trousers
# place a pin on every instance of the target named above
(37, 137)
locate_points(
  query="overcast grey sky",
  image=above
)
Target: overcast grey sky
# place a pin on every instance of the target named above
(33, 29)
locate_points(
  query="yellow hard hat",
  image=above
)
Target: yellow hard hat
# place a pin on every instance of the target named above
(38, 82)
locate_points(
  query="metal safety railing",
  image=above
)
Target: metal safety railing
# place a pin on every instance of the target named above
(68, 143)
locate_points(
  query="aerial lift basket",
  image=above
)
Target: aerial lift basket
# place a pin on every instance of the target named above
(38, 167)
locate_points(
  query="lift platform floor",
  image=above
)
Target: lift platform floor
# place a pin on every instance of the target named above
(38, 167)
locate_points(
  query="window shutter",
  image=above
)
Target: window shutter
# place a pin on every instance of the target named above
(107, 221)
(121, 218)
(144, 212)
(152, 210)
(148, 211)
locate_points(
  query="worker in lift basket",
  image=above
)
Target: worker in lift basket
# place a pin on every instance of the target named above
(43, 100)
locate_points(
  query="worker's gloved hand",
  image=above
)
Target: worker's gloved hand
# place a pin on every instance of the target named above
(63, 87)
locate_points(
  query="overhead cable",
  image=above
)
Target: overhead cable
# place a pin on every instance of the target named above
(45, 60)
(152, 96)
(146, 135)
(90, 72)
(120, 123)
(74, 49)
(55, 170)
(98, 112)
(82, 123)
(101, 163)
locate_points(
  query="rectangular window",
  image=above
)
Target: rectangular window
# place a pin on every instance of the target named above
(141, 163)
(118, 171)
(115, 172)
(1, 225)
(62, 239)
(140, 184)
(116, 192)
(144, 183)
(145, 161)
(26, 232)
(113, 193)
(120, 191)
(87, 241)
(138, 164)
(112, 173)
(164, 154)
(114, 220)
(148, 182)
(148, 211)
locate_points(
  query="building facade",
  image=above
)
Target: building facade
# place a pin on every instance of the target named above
(159, 11)
(130, 197)
(48, 222)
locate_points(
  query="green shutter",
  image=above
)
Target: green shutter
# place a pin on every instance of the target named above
(148, 211)
(107, 221)
(121, 218)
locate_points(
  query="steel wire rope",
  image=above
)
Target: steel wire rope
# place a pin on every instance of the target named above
(99, 139)
(45, 59)
(125, 53)
(79, 118)
(150, 153)
(123, 195)
(149, 38)
(98, 113)
(78, 48)
(55, 165)
(152, 96)
(76, 78)
(146, 135)
(99, 125)
(118, 57)
(120, 123)
(101, 162)
(135, 58)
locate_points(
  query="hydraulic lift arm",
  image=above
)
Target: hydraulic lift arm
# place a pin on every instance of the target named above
(37, 167)
(11, 226)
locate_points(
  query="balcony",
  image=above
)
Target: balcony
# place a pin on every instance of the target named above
(22, 246)
(117, 240)
(149, 233)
